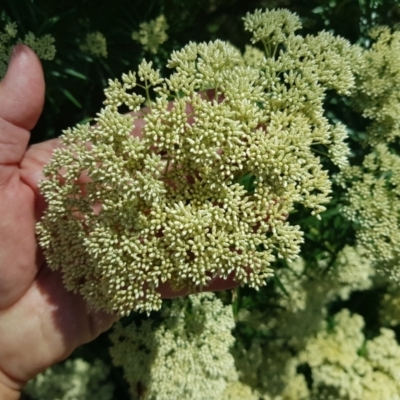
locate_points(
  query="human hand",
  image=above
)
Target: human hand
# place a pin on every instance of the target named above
(41, 323)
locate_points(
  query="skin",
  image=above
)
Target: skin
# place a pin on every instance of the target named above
(40, 322)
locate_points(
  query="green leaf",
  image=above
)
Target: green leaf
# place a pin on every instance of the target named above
(71, 98)
(85, 120)
(75, 73)
(280, 285)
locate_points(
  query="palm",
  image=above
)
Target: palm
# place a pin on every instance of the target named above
(40, 322)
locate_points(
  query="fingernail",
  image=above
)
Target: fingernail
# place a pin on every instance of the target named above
(16, 49)
(14, 52)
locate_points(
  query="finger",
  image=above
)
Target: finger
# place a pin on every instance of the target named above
(21, 101)
(31, 170)
(44, 327)
(35, 158)
(216, 284)
(22, 89)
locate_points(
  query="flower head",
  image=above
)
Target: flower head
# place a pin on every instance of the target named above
(225, 152)
(152, 34)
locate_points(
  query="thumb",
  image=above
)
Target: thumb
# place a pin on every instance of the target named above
(22, 89)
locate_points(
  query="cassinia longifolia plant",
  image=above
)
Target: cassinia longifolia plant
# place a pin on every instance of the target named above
(198, 179)
(186, 356)
(373, 188)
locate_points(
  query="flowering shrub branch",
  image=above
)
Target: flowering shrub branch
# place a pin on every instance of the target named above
(126, 214)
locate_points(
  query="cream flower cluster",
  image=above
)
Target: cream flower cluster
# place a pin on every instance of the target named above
(377, 95)
(271, 365)
(344, 365)
(389, 308)
(374, 186)
(185, 357)
(95, 43)
(198, 180)
(152, 34)
(374, 207)
(75, 379)
(310, 288)
(270, 369)
(237, 390)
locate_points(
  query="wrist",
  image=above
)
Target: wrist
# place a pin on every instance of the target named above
(7, 393)
(9, 388)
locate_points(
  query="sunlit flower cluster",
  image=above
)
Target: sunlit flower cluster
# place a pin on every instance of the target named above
(270, 365)
(185, 357)
(237, 390)
(339, 362)
(374, 186)
(344, 365)
(374, 207)
(377, 95)
(311, 288)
